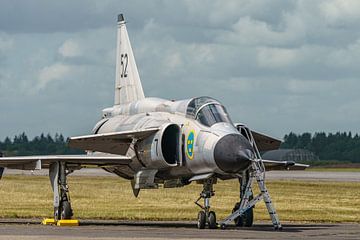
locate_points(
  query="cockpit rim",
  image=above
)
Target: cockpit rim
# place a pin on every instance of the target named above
(193, 112)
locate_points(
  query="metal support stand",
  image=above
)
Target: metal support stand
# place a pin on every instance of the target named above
(247, 200)
(62, 207)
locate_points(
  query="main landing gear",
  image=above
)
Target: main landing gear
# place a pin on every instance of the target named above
(62, 206)
(205, 216)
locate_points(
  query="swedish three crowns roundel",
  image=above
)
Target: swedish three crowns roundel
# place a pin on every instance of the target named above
(190, 144)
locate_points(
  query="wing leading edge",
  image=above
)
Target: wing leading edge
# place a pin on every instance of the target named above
(112, 147)
(115, 142)
(38, 162)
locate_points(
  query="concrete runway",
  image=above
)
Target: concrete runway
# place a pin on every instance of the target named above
(31, 229)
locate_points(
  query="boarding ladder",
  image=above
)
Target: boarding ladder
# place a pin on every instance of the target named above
(257, 171)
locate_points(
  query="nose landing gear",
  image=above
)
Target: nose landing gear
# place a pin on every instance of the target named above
(205, 216)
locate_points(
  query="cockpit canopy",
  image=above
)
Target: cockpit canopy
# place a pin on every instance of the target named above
(207, 111)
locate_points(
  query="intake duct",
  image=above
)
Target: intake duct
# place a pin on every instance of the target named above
(162, 149)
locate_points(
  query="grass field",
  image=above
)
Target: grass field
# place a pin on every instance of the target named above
(112, 198)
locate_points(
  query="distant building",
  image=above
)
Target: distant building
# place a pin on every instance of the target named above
(296, 155)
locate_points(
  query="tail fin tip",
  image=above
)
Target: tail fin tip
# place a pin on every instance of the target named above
(121, 18)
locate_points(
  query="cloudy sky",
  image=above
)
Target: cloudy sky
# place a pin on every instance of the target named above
(278, 66)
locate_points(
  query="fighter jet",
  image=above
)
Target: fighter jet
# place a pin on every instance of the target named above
(155, 142)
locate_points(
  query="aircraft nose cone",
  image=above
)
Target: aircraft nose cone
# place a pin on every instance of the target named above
(233, 153)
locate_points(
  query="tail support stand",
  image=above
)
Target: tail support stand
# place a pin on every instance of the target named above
(257, 172)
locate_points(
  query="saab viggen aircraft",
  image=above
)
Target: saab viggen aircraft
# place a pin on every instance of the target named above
(155, 142)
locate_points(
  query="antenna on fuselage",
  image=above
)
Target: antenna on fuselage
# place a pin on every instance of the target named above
(128, 86)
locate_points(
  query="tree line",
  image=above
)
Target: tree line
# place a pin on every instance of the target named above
(20, 145)
(341, 146)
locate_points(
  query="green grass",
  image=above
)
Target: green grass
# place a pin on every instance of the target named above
(112, 198)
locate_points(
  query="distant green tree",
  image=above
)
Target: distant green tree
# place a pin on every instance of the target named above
(341, 146)
(39, 145)
(304, 141)
(290, 141)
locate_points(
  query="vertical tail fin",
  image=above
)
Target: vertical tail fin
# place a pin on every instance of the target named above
(127, 84)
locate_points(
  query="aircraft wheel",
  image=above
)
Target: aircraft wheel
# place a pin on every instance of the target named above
(201, 220)
(246, 220)
(212, 220)
(238, 220)
(66, 211)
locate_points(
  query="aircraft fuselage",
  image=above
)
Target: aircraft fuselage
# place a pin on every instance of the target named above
(187, 144)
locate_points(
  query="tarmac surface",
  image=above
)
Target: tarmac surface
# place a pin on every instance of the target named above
(272, 175)
(90, 229)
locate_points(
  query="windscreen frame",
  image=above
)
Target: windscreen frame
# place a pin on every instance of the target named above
(212, 112)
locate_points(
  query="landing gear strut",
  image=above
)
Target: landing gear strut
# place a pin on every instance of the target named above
(205, 216)
(62, 206)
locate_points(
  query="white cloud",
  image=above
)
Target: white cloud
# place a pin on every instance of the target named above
(70, 48)
(347, 57)
(249, 31)
(201, 53)
(239, 85)
(309, 87)
(276, 57)
(51, 73)
(339, 12)
(172, 61)
(221, 11)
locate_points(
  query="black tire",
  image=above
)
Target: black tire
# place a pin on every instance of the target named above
(248, 218)
(66, 211)
(238, 221)
(212, 220)
(201, 220)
